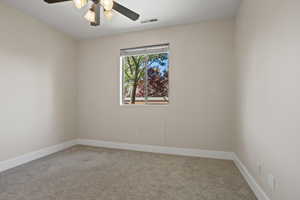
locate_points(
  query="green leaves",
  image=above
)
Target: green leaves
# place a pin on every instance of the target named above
(134, 72)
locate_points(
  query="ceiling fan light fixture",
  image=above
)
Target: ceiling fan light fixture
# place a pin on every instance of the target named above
(108, 14)
(94, 14)
(90, 16)
(80, 3)
(107, 4)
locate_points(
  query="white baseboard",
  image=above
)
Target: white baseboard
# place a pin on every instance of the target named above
(8, 164)
(259, 192)
(20, 160)
(159, 149)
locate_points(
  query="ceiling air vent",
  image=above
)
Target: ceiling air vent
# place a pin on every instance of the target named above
(149, 21)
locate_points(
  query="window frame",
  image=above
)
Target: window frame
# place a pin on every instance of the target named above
(121, 79)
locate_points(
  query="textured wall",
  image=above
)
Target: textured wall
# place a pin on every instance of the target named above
(202, 99)
(37, 85)
(268, 46)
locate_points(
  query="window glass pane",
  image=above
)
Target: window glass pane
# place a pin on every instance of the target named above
(145, 75)
(158, 79)
(134, 68)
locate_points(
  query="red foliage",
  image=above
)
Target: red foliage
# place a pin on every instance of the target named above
(157, 83)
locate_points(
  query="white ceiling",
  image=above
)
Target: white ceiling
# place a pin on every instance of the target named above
(66, 18)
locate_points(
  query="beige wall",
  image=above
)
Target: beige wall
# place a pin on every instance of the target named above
(37, 86)
(38, 89)
(202, 75)
(268, 47)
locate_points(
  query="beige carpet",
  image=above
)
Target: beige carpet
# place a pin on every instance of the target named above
(86, 173)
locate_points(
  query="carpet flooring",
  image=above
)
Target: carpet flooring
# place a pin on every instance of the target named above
(88, 173)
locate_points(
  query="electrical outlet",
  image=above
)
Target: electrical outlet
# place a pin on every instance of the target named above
(271, 182)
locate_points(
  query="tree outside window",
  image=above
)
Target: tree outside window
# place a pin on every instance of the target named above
(145, 79)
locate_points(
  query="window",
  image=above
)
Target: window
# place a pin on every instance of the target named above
(145, 75)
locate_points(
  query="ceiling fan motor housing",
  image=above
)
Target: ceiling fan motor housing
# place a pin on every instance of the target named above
(96, 8)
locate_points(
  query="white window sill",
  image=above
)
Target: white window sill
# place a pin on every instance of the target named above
(143, 106)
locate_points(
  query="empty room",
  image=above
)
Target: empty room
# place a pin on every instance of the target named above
(149, 100)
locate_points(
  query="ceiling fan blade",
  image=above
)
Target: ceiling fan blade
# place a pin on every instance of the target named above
(125, 11)
(55, 1)
(96, 9)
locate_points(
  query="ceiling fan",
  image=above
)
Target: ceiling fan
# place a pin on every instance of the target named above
(94, 12)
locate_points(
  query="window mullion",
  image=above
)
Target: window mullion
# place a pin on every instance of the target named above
(158, 91)
(146, 80)
(123, 82)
